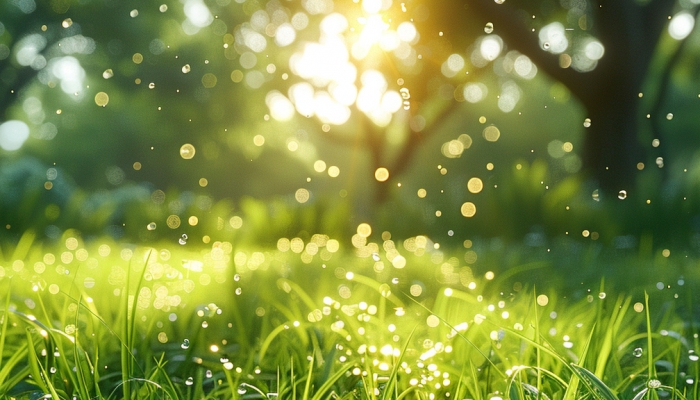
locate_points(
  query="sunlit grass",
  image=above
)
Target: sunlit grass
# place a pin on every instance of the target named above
(109, 320)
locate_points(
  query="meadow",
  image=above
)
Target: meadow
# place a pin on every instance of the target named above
(320, 318)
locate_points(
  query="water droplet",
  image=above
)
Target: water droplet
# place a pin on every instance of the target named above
(163, 8)
(655, 143)
(185, 344)
(239, 291)
(108, 73)
(242, 389)
(405, 94)
(500, 1)
(669, 116)
(134, 13)
(151, 226)
(67, 23)
(596, 195)
(205, 324)
(587, 123)
(488, 28)
(53, 370)
(601, 295)
(622, 195)
(209, 374)
(236, 277)
(189, 381)
(406, 105)
(637, 352)
(223, 359)
(545, 45)
(186, 68)
(183, 239)
(375, 256)
(692, 356)
(654, 383)
(395, 281)
(151, 85)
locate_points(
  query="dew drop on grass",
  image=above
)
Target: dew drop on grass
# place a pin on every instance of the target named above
(622, 194)
(151, 226)
(375, 256)
(52, 370)
(186, 68)
(189, 381)
(241, 389)
(587, 123)
(209, 374)
(239, 291)
(205, 324)
(692, 356)
(405, 93)
(183, 239)
(395, 281)
(236, 277)
(185, 344)
(637, 352)
(151, 85)
(653, 383)
(488, 28)
(163, 8)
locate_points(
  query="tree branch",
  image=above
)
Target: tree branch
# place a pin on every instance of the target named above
(508, 25)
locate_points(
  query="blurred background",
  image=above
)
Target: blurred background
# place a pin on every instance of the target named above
(249, 121)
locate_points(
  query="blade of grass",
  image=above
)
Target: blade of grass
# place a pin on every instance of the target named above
(330, 381)
(307, 387)
(4, 323)
(395, 371)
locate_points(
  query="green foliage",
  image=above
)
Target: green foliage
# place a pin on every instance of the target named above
(146, 323)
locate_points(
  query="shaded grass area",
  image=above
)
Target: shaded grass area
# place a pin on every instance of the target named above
(319, 319)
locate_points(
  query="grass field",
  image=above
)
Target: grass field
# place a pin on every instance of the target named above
(316, 318)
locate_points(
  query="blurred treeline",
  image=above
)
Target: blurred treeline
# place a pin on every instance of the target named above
(113, 170)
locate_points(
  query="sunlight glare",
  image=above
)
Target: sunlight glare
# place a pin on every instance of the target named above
(280, 107)
(553, 38)
(407, 32)
(285, 34)
(681, 25)
(491, 47)
(13, 134)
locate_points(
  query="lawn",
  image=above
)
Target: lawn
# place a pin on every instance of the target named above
(319, 318)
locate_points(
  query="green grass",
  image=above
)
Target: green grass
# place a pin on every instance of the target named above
(107, 320)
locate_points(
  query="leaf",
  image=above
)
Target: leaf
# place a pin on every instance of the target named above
(597, 388)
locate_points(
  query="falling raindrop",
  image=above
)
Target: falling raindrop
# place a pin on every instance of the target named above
(637, 352)
(183, 239)
(242, 389)
(189, 381)
(151, 85)
(622, 195)
(151, 226)
(108, 73)
(489, 27)
(186, 68)
(185, 344)
(587, 123)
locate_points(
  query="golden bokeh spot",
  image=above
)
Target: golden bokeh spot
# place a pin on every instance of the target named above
(319, 166)
(193, 220)
(381, 174)
(302, 195)
(333, 245)
(432, 321)
(283, 244)
(173, 221)
(475, 185)
(586, 233)
(468, 244)
(491, 133)
(259, 140)
(101, 99)
(48, 185)
(236, 76)
(666, 252)
(137, 58)
(638, 307)
(567, 147)
(137, 81)
(209, 80)
(236, 222)
(422, 193)
(203, 182)
(364, 230)
(640, 166)
(137, 166)
(468, 209)
(187, 151)
(333, 171)
(542, 300)
(489, 166)
(482, 120)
